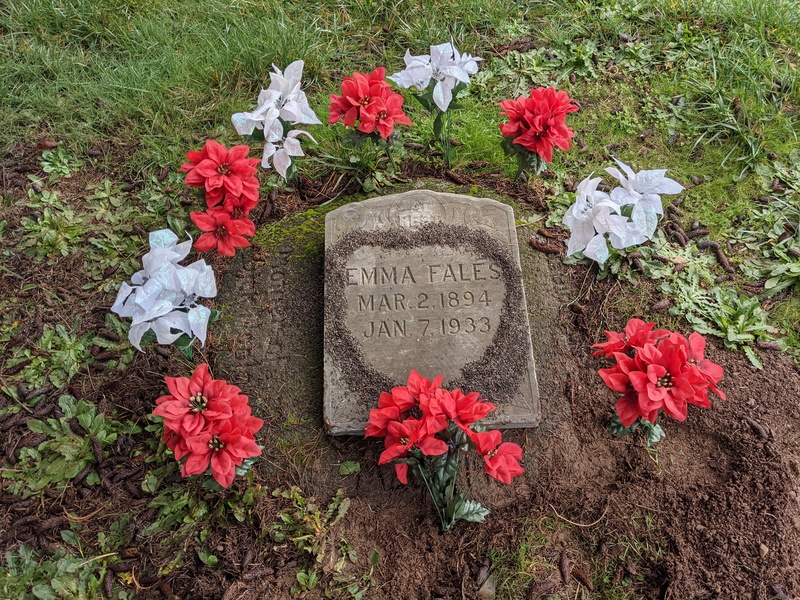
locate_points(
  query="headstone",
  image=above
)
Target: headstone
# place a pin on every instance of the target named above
(431, 282)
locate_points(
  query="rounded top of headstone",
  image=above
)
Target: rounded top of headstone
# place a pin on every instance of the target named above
(416, 208)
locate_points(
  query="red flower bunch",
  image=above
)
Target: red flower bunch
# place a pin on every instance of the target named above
(422, 417)
(208, 422)
(231, 192)
(538, 122)
(657, 370)
(369, 100)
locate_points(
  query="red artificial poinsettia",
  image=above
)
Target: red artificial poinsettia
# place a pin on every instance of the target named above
(637, 333)
(427, 427)
(194, 401)
(382, 113)
(221, 232)
(223, 448)
(657, 371)
(239, 206)
(421, 387)
(221, 171)
(391, 407)
(402, 436)
(501, 461)
(209, 423)
(369, 100)
(711, 372)
(538, 122)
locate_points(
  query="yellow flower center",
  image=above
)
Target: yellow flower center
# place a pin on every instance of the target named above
(198, 402)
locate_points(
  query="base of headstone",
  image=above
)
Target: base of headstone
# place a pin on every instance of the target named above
(431, 282)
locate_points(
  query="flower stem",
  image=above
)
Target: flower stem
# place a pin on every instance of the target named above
(433, 497)
(446, 138)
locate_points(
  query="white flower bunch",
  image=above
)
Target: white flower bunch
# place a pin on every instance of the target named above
(164, 293)
(597, 218)
(282, 102)
(445, 65)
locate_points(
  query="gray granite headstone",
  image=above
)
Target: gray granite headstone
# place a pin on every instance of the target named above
(432, 282)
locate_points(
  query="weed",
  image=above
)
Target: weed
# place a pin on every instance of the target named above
(619, 567)
(63, 575)
(307, 580)
(59, 459)
(58, 231)
(313, 532)
(305, 525)
(515, 570)
(737, 319)
(780, 267)
(59, 162)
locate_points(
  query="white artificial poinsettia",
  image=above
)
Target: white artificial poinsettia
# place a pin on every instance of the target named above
(281, 149)
(593, 216)
(643, 190)
(626, 217)
(164, 294)
(282, 99)
(445, 65)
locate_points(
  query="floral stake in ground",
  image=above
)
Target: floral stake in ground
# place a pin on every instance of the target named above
(655, 371)
(229, 181)
(439, 76)
(208, 422)
(368, 104)
(535, 125)
(426, 428)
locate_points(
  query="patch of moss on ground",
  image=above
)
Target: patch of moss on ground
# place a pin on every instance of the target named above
(303, 232)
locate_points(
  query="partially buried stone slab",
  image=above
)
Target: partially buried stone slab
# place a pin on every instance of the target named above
(431, 282)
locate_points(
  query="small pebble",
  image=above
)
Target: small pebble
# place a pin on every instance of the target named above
(487, 590)
(763, 550)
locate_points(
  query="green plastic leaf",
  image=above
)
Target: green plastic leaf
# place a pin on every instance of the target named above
(472, 511)
(438, 125)
(654, 432)
(616, 428)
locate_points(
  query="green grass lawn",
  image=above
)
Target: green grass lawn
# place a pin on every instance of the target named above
(706, 88)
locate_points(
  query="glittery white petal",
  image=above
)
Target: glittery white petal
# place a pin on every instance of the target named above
(163, 238)
(597, 249)
(269, 151)
(281, 162)
(123, 293)
(135, 334)
(623, 196)
(582, 232)
(243, 123)
(205, 285)
(198, 321)
(443, 94)
(164, 326)
(165, 290)
(645, 219)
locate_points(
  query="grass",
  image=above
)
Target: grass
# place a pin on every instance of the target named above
(713, 84)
